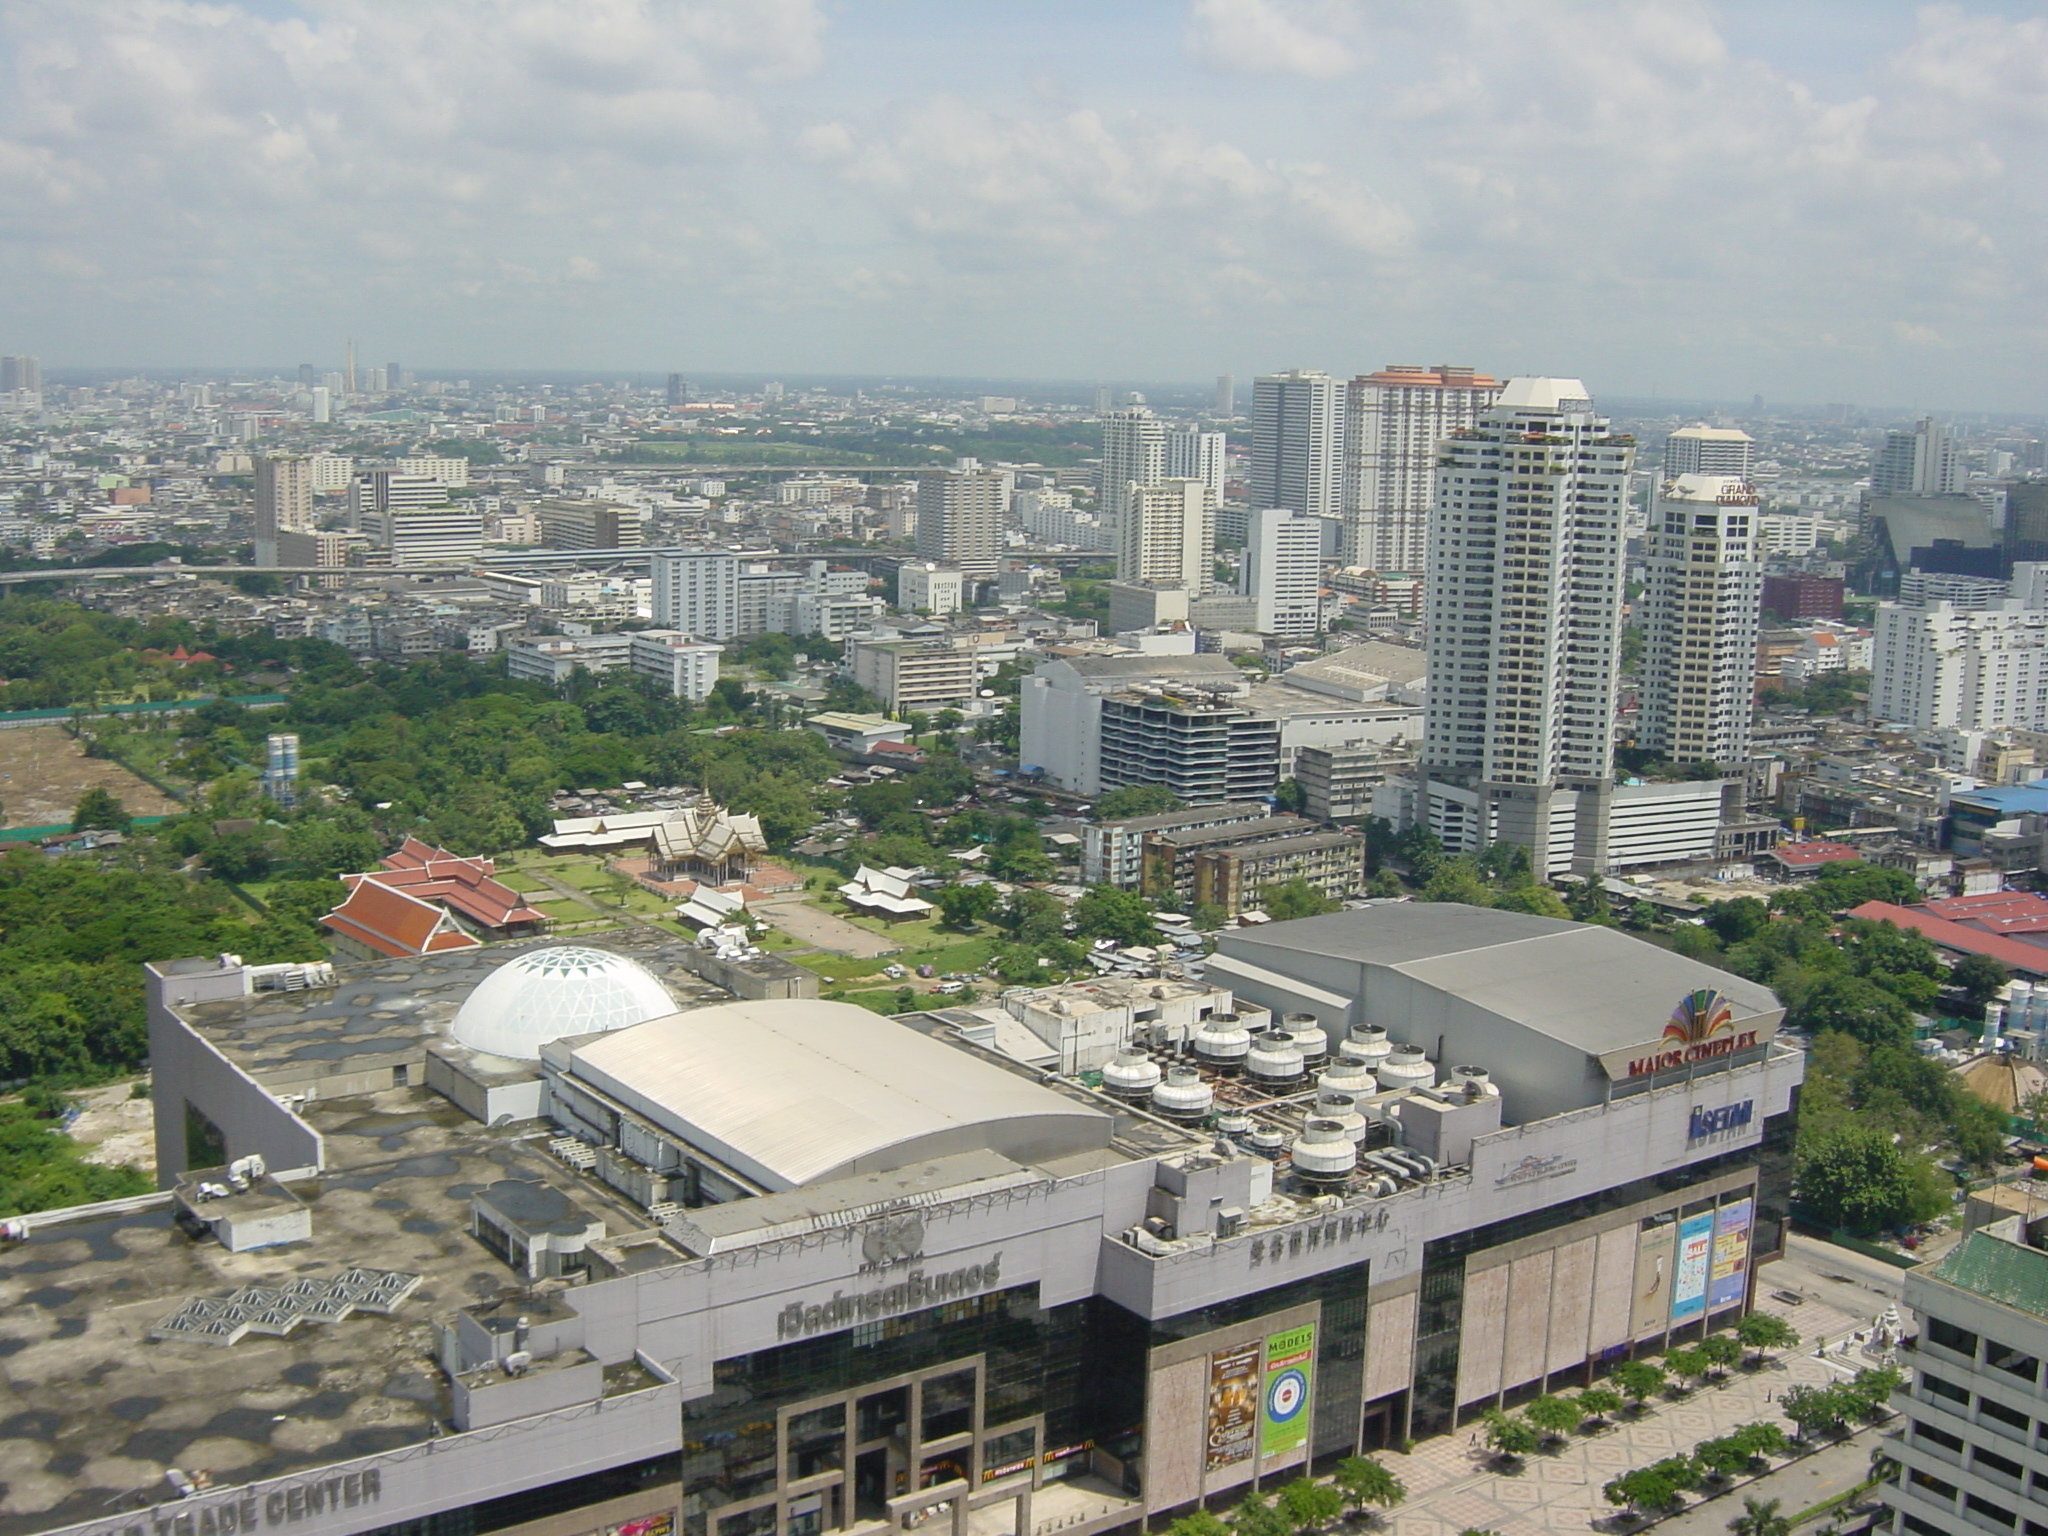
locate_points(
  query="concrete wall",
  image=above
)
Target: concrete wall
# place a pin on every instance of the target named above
(185, 1068)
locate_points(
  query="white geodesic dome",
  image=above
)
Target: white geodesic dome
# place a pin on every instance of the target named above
(565, 989)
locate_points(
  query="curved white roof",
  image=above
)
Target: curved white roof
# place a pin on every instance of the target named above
(791, 1092)
(544, 994)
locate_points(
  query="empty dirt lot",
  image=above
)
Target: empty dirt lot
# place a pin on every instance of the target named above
(43, 772)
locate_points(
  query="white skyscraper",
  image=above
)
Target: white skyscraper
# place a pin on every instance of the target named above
(1393, 421)
(1971, 669)
(1133, 453)
(697, 592)
(382, 491)
(1922, 462)
(1701, 608)
(1283, 571)
(960, 515)
(1192, 454)
(1523, 603)
(1168, 536)
(284, 503)
(322, 404)
(1705, 450)
(1297, 442)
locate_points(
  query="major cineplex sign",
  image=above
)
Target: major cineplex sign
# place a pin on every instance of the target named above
(1701, 1028)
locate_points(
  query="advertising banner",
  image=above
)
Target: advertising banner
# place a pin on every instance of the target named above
(1650, 1304)
(1731, 1255)
(1695, 1260)
(1233, 1404)
(1290, 1364)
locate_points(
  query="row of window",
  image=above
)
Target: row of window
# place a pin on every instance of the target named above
(2002, 1357)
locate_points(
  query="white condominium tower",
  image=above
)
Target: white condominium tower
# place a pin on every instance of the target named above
(1922, 462)
(960, 517)
(1192, 454)
(1168, 536)
(1705, 450)
(1393, 421)
(1941, 667)
(1523, 603)
(284, 503)
(1297, 442)
(1283, 571)
(1133, 453)
(1701, 608)
(697, 592)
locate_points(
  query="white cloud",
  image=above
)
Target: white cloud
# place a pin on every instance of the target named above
(1278, 37)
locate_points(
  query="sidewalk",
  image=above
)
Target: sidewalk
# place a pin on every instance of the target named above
(1452, 1486)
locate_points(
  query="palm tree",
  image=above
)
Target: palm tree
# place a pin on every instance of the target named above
(1760, 1517)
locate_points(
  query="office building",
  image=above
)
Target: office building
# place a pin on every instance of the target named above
(1230, 865)
(1920, 589)
(453, 473)
(1788, 533)
(331, 472)
(1167, 534)
(678, 392)
(1791, 597)
(1922, 462)
(1282, 571)
(1192, 454)
(23, 375)
(1298, 442)
(1702, 605)
(284, 503)
(923, 586)
(1202, 745)
(960, 518)
(1393, 421)
(1133, 454)
(376, 492)
(1973, 1453)
(1060, 708)
(686, 666)
(1112, 852)
(1339, 783)
(1523, 604)
(1001, 1295)
(589, 523)
(445, 535)
(555, 659)
(1972, 669)
(323, 548)
(1705, 450)
(697, 592)
(1225, 400)
(915, 674)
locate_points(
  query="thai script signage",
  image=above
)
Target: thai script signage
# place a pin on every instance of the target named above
(1533, 1169)
(1731, 1254)
(915, 1291)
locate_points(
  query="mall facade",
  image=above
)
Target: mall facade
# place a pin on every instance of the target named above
(559, 1240)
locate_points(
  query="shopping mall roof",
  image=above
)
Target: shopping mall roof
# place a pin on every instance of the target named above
(789, 1092)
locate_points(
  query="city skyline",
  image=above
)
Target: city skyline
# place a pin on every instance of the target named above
(1174, 192)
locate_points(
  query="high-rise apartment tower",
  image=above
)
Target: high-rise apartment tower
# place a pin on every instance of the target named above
(960, 516)
(1282, 571)
(1523, 603)
(1701, 607)
(1297, 442)
(284, 503)
(1393, 421)
(1705, 450)
(1922, 462)
(1192, 454)
(1168, 535)
(1133, 453)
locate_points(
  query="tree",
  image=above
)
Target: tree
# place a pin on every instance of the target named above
(1638, 1379)
(966, 905)
(1979, 977)
(1308, 1505)
(1760, 1517)
(1735, 921)
(1135, 800)
(1104, 912)
(1645, 1491)
(1554, 1417)
(1200, 1523)
(1030, 917)
(1854, 1005)
(98, 807)
(906, 999)
(1510, 1437)
(1597, 1403)
(1694, 942)
(1816, 1410)
(1536, 900)
(1722, 1457)
(1685, 1363)
(1856, 1177)
(1296, 898)
(1867, 1392)
(1763, 1331)
(1253, 1516)
(1762, 1438)
(1364, 1481)
(1719, 1350)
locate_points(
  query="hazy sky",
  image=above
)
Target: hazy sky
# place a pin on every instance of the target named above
(1809, 199)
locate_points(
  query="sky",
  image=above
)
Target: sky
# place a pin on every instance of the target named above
(1811, 200)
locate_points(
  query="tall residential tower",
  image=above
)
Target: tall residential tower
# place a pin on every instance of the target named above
(1701, 608)
(1393, 422)
(1297, 442)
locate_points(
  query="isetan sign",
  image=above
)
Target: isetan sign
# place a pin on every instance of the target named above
(1701, 1028)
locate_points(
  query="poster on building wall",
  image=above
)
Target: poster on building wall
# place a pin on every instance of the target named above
(1290, 1364)
(1233, 1404)
(1731, 1255)
(1695, 1261)
(1650, 1304)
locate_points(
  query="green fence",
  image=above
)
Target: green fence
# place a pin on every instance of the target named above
(13, 719)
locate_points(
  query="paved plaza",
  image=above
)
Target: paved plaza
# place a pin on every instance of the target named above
(1453, 1485)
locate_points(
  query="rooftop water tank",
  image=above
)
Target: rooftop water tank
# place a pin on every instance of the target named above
(1185, 1097)
(1309, 1036)
(1274, 1062)
(1130, 1076)
(1343, 1075)
(1222, 1043)
(1265, 1141)
(1367, 1043)
(1342, 1108)
(1406, 1068)
(1323, 1154)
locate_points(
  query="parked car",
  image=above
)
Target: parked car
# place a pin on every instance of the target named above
(893, 972)
(927, 972)
(950, 987)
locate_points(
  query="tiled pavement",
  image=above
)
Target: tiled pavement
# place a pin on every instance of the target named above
(1453, 1486)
